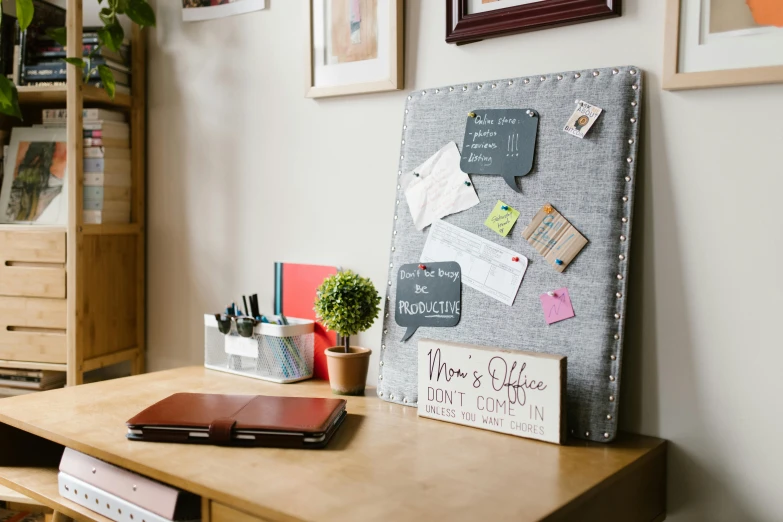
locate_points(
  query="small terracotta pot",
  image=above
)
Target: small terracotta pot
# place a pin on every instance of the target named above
(348, 371)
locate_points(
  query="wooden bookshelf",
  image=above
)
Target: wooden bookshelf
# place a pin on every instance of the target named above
(48, 95)
(9, 495)
(89, 313)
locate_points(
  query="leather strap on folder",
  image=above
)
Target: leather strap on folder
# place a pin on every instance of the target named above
(220, 431)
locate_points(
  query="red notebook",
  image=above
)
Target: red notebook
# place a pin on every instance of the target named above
(295, 291)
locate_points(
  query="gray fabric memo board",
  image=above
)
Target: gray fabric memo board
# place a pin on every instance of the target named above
(589, 181)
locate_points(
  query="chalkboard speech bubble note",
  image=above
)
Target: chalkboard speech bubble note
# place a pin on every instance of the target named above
(500, 142)
(428, 295)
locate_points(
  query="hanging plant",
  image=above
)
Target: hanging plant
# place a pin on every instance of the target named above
(111, 36)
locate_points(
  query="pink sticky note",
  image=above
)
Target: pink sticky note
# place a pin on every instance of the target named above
(557, 306)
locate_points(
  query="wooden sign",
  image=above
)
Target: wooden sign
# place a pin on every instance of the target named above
(428, 294)
(500, 142)
(519, 393)
(554, 237)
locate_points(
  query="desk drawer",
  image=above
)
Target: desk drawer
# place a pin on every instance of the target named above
(32, 329)
(32, 263)
(222, 513)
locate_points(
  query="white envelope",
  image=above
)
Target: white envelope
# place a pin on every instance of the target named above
(439, 189)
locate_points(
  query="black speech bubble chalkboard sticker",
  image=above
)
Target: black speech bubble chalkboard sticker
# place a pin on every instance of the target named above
(428, 294)
(500, 142)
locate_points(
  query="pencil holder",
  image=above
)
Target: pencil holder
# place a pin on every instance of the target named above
(274, 353)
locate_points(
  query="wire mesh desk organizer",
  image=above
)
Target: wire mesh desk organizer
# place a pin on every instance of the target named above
(277, 353)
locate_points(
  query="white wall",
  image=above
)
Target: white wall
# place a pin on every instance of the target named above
(244, 171)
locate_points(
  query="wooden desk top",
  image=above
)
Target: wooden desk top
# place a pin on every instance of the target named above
(384, 463)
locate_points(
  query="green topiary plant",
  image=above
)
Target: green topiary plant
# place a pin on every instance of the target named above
(347, 303)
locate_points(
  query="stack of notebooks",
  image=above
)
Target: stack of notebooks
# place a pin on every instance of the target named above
(107, 163)
(121, 495)
(41, 58)
(18, 382)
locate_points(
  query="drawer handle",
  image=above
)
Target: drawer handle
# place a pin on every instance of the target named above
(28, 329)
(37, 264)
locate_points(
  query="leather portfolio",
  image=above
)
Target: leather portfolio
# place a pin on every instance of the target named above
(239, 420)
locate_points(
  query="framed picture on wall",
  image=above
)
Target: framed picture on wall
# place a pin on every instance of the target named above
(356, 46)
(473, 20)
(198, 10)
(721, 43)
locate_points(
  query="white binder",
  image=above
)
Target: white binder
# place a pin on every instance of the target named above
(103, 503)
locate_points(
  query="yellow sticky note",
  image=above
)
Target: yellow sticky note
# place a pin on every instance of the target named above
(502, 219)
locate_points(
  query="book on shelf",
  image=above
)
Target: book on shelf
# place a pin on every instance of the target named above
(57, 71)
(31, 385)
(107, 179)
(118, 89)
(46, 16)
(106, 193)
(115, 166)
(40, 374)
(88, 115)
(107, 129)
(37, 59)
(31, 379)
(107, 153)
(8, 42)
(56, 63)
(107, 205)
(107, 142)
(99, 217)
(114, 130)
(47, 50)
(14, 392)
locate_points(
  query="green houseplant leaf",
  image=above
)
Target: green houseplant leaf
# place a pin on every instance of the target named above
(58, 34)
(141, 13)
(107, 77)
(78, 62)
(24, 13)
(9, 98)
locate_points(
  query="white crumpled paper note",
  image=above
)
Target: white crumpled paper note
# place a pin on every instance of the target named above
(439, 189)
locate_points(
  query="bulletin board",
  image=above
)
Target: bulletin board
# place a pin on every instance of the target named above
(590, 181)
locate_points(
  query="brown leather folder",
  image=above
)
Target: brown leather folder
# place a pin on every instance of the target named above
(239, 420)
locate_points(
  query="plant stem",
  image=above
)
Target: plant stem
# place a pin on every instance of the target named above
(346, 342)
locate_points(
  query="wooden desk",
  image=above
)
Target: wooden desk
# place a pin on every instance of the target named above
(385, 463)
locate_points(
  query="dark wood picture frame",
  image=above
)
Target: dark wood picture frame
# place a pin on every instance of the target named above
(463, 28)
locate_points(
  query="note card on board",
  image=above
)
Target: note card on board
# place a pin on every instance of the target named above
(428, 295)
(487, 267)
(554, 237)
(502, 218)
(500, 142)
(557, 306)
(438, 187)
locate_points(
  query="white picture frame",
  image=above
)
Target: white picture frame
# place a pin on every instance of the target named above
(237, 7)
(377, 70)
(694, 61)
(45, 204)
